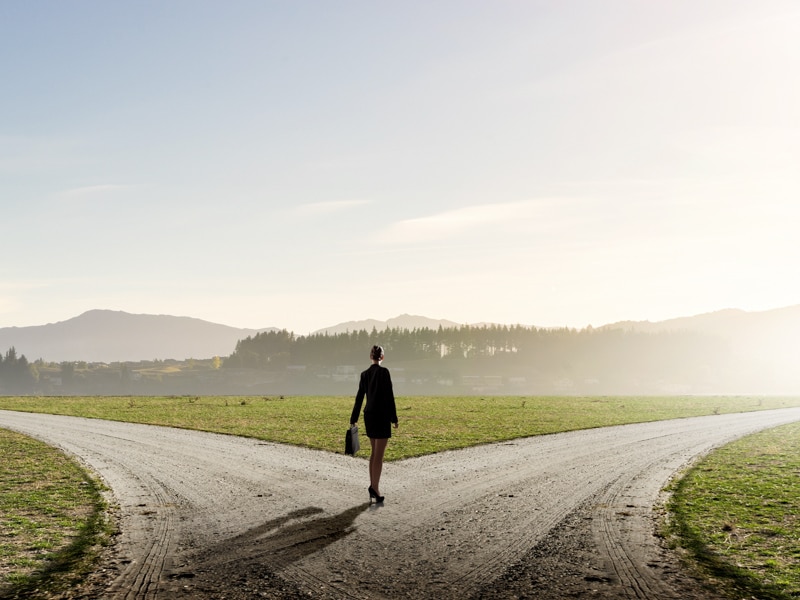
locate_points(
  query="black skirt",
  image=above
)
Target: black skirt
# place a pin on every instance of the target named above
(377, 428)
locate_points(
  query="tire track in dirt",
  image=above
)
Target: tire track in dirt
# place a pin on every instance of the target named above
(623, 522)
(211, 516)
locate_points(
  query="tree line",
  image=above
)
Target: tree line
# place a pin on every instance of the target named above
(17, 375)
(492, 359)
(496, 342)
(611, 357)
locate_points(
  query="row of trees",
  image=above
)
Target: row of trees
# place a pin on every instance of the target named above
(17, 375)
(613, 357)
(460, 360)
(268, 349)
(501, 343)
(20, 376)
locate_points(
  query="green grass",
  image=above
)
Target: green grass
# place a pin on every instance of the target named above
(427, 424)
(51, 517)
(737, 512)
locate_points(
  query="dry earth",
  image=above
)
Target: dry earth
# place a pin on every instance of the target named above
(558, 516)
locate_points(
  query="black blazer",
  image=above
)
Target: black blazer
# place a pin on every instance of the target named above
(376, 384)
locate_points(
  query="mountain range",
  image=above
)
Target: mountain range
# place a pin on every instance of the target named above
(766, 338)
(116, 336)
(401, 322)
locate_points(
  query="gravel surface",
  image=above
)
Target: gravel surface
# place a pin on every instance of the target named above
(559, 516)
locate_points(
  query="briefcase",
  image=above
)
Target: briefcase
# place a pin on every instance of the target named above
(351, 444)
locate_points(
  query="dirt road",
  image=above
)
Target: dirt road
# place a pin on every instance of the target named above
(558, 516)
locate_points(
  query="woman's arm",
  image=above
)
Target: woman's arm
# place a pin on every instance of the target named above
(390, 396)
(362, 390)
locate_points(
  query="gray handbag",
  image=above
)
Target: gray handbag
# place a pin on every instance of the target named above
(351, 444)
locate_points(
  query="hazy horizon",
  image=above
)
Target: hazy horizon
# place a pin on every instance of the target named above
(392, 321)
(304, 164)
(722, 352)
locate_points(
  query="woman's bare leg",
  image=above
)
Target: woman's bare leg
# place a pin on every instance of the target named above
(376, 462)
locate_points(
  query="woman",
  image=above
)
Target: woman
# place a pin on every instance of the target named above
(379, 413)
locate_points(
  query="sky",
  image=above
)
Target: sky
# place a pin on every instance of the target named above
(298, 164)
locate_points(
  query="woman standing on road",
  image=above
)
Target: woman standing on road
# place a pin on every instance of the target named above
(379, 413)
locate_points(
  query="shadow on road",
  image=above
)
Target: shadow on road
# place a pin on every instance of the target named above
(249, 560)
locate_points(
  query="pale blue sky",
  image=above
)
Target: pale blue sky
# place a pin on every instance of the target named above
(298, 164)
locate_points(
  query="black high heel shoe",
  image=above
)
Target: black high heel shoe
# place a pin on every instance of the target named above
(374, 495)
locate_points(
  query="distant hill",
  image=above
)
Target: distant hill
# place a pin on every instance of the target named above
(730, 321)
(402, 322)
(768, 337)
(111, 336)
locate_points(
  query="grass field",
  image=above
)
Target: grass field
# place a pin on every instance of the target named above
(433, 424)
(51, 516)
(427, 424)
(737, 512)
